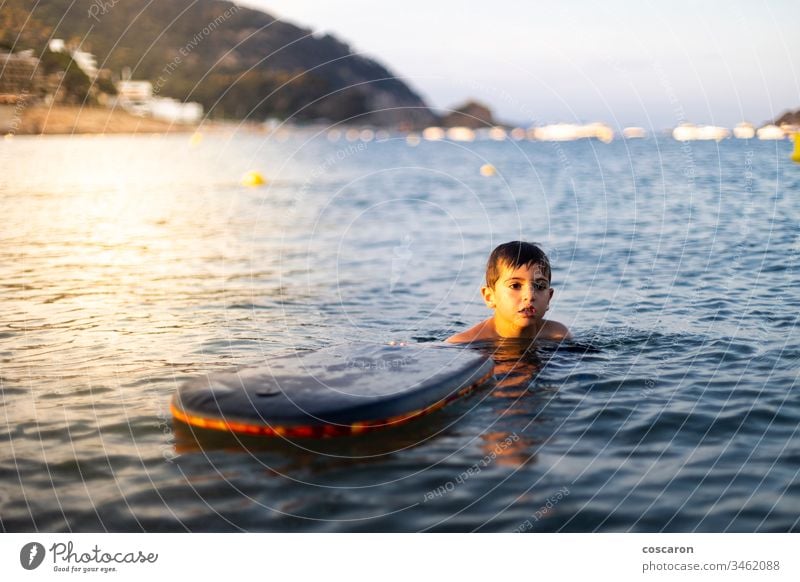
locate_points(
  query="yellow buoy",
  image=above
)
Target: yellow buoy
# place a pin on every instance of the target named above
(253, 179)
(796, 153)
(196, 139)
(488, 170)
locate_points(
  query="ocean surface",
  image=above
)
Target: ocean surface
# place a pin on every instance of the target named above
(130, 264)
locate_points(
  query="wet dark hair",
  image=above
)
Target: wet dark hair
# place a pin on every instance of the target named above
(514, 255)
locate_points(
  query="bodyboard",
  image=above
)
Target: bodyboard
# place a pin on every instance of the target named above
(342, 390)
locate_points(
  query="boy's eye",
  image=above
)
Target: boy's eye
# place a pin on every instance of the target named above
(516, 285)
(540, 286)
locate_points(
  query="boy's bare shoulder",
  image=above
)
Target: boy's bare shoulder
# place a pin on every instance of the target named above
(556, 331)
(483, 330)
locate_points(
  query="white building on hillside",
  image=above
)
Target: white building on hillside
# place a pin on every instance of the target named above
(174, 111)
(137, 97)
(87, 62)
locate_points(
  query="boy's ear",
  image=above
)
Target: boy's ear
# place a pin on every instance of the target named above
(488, 296)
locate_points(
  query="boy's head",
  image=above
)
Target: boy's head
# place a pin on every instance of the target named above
(512, 255)
(517, 287)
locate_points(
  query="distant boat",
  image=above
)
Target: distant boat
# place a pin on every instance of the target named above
(744, 130)
(571, 132)
(770, 132)
(712, 132)
(491, 133)
(634, 133)
(497, 134)
(433, 133)
(685, 132)
(460, 134)
(556, 132)
(599, 131)
(691, 132)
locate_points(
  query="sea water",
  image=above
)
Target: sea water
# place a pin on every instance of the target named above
(130, 264)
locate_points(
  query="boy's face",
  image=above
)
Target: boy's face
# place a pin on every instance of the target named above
(519, 298)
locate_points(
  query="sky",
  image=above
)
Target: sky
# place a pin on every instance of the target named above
(648, 63)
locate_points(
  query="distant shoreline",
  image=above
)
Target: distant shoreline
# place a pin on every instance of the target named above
(74, 119)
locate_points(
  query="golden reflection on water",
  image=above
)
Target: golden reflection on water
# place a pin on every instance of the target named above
(516, 366)
(113, 246)
(507, 449)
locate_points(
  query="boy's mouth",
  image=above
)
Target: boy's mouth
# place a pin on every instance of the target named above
(528, 311)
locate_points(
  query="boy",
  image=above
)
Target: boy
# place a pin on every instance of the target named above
(518, 289)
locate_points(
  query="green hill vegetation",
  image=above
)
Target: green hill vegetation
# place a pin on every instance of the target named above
(237, 62)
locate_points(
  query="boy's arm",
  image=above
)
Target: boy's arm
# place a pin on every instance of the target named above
(484, 330)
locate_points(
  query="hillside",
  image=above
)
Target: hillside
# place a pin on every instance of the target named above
(789, 118)
(236, 61)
